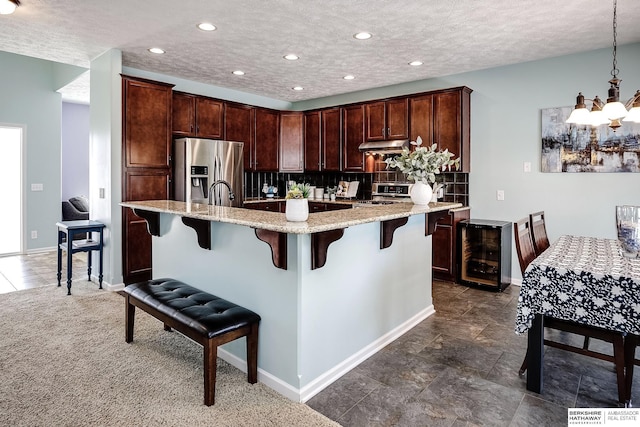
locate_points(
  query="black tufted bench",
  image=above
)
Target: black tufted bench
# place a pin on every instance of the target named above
(207, 319)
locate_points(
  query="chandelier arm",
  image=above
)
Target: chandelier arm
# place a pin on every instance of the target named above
(634, 99)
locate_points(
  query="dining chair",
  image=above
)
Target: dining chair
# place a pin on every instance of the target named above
(538, 232)
(526, 254)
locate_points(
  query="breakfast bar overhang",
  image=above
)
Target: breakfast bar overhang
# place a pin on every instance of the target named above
(318, 321)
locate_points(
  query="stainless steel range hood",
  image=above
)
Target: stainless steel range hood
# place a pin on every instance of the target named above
(384, 147)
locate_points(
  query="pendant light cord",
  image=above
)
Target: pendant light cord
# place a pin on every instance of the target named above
(614, 70)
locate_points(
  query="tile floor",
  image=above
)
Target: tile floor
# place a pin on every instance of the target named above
(459, 367)
(39, 269)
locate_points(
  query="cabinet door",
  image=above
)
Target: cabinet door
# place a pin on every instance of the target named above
(183, 114)
(266, 142)
(451, 127)
(312, 141)
(352, 137)
(397, 112)
(146, 124)
(140, 184)
(331, 137)
(375, 121)
(291, 142)
(239, 122)
(209, 118)
(421, 118)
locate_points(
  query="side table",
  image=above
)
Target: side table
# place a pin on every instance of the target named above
(70, 228)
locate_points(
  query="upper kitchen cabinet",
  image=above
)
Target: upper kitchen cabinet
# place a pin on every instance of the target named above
(312, 141)
(331, 138)
(291, 142)
(146, 124)
(267, 129)
(387, 120)
(444, 118)
(352, 137)
(322, 137)
(197, 116)
(239, 125)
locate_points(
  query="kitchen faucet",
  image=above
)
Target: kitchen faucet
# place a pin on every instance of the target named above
(213, 186)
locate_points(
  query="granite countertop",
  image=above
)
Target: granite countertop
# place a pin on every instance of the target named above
(275, 221)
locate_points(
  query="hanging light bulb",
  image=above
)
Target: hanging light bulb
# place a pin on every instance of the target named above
(7, 7)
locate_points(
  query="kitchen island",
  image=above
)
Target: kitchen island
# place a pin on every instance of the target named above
(331, 291)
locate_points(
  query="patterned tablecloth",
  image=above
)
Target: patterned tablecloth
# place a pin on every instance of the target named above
(583, 279)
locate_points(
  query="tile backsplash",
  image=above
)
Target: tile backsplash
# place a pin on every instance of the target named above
(456, 184)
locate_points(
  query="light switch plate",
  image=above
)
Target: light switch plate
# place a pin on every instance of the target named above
(500, 195)
(37, 187)
(526, 166)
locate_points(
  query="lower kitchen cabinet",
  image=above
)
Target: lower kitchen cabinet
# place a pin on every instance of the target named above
(444, 240)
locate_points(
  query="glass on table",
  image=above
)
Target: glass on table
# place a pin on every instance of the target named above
(628, 223)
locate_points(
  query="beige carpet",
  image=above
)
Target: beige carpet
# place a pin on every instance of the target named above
(64, 362)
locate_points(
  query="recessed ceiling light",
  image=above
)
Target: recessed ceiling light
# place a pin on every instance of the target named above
(349, 77)
(362, 35)
(238, 73)
(291, 57)
(297, 88)
(156, 50)
(205, 26)
(415, 63)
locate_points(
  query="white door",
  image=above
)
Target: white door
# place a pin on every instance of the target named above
(11, 189)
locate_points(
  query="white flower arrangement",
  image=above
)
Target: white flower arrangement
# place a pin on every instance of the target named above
(423, 163)
(298, 191)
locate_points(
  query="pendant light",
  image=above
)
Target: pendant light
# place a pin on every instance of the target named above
(613, 111)
(7, 7)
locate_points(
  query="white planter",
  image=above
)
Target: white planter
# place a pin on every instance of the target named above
(420, 193)
(297, 210)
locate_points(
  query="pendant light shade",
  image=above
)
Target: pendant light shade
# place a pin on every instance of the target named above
(7, 7)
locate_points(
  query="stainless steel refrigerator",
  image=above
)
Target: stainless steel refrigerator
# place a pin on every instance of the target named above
(200, 163)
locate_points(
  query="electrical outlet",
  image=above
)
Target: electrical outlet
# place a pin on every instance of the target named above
(101, 193)
(34, 234)
(500, 195)
(526, 167)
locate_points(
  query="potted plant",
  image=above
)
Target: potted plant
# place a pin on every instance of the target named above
(297, 203)
(421, 165)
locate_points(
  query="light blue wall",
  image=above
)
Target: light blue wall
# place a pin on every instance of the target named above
(75, 150)
(28, 98)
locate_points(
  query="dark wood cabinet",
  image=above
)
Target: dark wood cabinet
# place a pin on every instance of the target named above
(271, 206)
(291, 142)
(444, 118)
(312, 141)
(322, 140)
(331, 139)
(267, 129)
(146, 170)
(444, 240)
(239, 126)
(197, 116)
(387, 120)
(352, 137)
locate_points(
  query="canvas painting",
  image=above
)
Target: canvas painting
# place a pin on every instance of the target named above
(579, 148)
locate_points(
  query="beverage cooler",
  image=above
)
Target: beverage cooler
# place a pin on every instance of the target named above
(484, 253)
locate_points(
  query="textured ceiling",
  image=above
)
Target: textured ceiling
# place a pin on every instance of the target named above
(449, 36)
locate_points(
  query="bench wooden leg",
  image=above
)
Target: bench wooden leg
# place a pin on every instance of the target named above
(252, 354)
(210, 360)
(129, 316)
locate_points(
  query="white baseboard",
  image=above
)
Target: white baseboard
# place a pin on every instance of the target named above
(330, 376)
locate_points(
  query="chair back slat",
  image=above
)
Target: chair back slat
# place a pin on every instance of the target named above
(538, 232)
(524, 243)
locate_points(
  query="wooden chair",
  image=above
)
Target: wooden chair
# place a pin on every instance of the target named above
(526, 254)
(538, 232)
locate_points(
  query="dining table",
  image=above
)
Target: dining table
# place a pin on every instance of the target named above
(586, 280)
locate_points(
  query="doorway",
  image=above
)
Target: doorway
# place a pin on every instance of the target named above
(11, 173)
